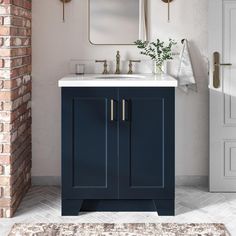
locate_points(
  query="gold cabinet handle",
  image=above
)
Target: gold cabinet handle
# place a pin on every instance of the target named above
(216, 72)
(123, 110)
(112, 110)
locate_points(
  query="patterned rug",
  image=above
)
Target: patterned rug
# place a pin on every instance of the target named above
(119, 230)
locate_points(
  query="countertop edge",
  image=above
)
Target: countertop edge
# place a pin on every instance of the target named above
(164, 81)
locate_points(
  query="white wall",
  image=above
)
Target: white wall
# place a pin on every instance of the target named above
(55, 43)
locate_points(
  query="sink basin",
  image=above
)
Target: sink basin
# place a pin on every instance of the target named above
(116, 76)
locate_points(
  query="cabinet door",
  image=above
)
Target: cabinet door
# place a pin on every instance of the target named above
(146, 143)
(89, 143)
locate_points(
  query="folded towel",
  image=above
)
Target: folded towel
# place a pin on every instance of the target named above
(185, 73)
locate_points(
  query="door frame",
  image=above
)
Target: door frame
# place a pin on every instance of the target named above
(214, 44)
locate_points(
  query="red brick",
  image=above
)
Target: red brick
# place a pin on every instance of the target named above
(15, 96)
(1, 42)
(6, 128)
(5, 202)
(1, 20)
(1, 63)
(1, 106)
(5, 30)
(5, 52)
(6, 148)
(6, 84)
(5, 181)
(6, 1)
(5, 137)
(5, 160)
(5, 9)
(1, 170)
(5, 95)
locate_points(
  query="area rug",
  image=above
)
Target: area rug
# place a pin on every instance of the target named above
(166, 229)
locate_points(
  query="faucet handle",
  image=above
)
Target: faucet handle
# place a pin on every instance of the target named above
(105, 71)
(131, 65)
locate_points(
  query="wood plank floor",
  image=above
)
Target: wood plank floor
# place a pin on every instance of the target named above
(193, 205)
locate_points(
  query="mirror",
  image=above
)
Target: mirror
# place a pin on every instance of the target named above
(116, 22)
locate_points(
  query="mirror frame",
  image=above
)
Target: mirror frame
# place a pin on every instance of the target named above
(144, 17)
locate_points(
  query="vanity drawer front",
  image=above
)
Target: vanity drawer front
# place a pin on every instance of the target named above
(146, 138)
(89, 144)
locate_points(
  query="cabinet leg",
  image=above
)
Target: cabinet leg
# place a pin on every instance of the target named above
(71, 207)
(165, 207)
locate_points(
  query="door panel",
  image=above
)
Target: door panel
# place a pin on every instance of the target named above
(229, 54)
(230, 158)
(89, 163)
(146, 144)
(146, 123)
(222, 37)
(90, 142)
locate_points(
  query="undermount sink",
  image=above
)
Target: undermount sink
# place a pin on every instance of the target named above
(115, 76)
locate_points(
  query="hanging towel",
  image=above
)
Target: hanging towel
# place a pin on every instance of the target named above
(185, 73)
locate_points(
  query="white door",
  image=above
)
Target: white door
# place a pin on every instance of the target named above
(222, 44)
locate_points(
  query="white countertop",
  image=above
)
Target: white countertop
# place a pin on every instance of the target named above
(111, 80)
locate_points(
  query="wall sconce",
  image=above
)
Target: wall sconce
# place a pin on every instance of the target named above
(168, 2)
(63, 11)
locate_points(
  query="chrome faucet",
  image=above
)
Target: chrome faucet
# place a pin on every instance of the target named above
(117, 63)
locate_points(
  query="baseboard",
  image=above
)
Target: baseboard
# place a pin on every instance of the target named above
(46, 180)
(192, 180)
(183, 180)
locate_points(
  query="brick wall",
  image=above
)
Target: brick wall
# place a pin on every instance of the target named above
(15, 98)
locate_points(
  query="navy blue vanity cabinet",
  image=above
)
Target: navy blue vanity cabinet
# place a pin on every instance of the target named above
(146, 146)
(118, 149)
(89, 147)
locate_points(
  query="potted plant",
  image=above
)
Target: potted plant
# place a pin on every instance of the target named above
(158, 50)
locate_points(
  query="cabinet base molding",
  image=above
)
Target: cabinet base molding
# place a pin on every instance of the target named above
(71, 207)
(181, 180)
(165, 207)
(74, 207)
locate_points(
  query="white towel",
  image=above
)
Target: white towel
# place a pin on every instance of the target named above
(185, 74)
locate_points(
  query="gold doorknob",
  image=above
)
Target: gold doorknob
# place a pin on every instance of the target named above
(216, 72)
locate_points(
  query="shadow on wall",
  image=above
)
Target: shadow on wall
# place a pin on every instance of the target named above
(200, 63)
(192, 118)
